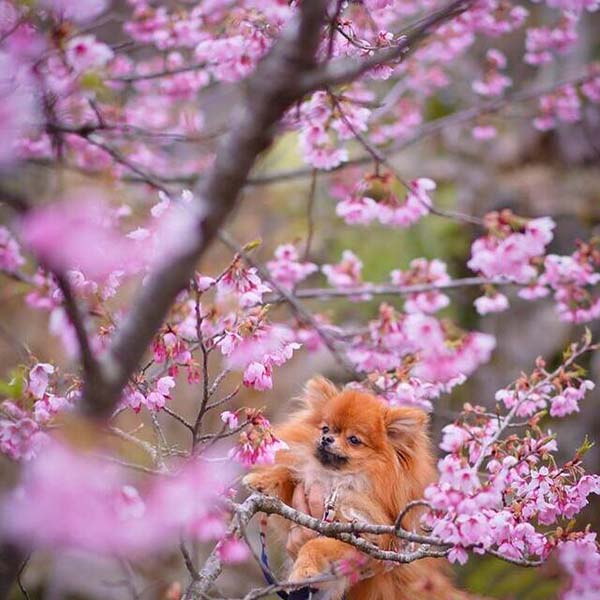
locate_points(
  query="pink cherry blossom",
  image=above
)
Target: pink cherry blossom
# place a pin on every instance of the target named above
(484, 132)
(10, 252)
(76, 233)
(85, 52)
(233, 551)
(542, 42)
(245, 283)
(491, 304)
(506, 253)
(38, 379)
(80, 12)
(581, 559)
(561, 106)
(493, 83)
(230, 418)
(54, 501)
(346, 273)
(257, 445)
(422, 271)
(287, 270)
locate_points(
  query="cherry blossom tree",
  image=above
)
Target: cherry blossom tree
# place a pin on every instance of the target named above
(156, 135)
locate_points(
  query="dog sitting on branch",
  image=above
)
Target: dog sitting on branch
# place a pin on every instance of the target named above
(369, 460)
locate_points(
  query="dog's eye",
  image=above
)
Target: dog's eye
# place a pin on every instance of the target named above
(325, 429)
(354, 440)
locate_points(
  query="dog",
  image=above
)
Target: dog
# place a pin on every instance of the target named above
(372, 458)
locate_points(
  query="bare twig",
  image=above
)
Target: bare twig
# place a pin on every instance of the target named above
(20, 583)
(157, 74)
(179, 418)
(187, 559)
(310, 218)
(388, 289)
(224, 399)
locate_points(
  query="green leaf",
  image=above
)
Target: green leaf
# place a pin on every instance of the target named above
(585, 447)
(14, 387)
(252, 245)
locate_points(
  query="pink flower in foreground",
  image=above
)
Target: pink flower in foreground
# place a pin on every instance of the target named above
(85, 52)
(79, 11)
(58, 504)
(77, 234)
(38, 379)
(233, 550)
(10, 252)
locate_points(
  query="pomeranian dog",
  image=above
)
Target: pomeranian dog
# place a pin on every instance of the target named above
(373, 459)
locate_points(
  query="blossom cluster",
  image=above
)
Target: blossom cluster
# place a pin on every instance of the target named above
(25, 417)
(503, 492)
(286, 269)
(422, 271)
(53, 504)
(413, 354)
(374, 198)
(257, 444)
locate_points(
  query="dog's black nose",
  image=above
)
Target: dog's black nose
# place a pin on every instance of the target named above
(326, 440)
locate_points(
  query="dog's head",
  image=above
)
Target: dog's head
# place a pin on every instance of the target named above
(355, 430)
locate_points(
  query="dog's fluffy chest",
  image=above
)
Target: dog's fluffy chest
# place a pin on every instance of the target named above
(343, 488)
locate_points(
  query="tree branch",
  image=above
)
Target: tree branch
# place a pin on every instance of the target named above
(270, 92)
(345, 70)
(90, 365)
(385, 289)
(345, 532)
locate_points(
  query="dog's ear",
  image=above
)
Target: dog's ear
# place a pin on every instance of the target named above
(406, 428)
(317, 392)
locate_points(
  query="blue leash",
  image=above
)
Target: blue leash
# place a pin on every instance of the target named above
(305, 593)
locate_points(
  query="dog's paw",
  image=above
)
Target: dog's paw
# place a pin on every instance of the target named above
(254, 481)
(308, 570)
(262, 482)
(303, 570)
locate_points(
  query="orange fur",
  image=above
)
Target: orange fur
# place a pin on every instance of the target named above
(390, 466)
